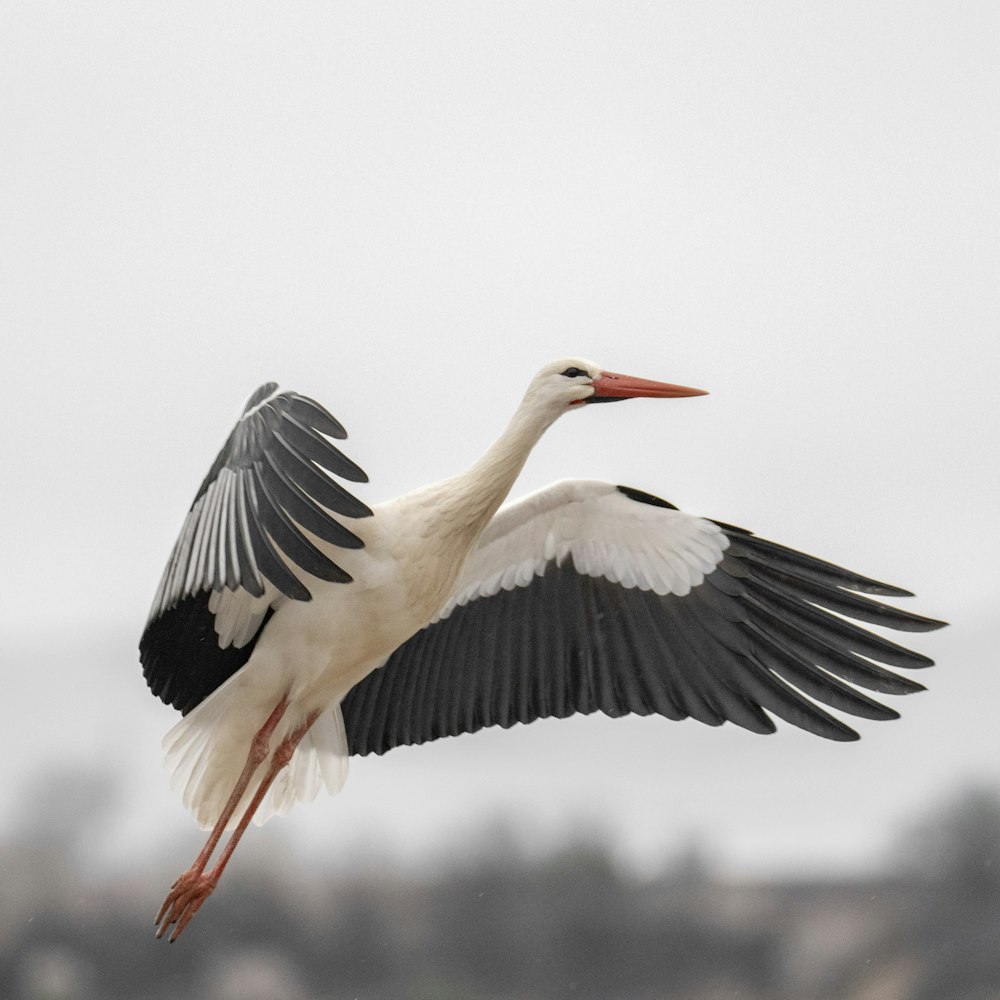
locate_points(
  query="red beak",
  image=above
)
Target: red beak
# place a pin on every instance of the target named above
(612, 385)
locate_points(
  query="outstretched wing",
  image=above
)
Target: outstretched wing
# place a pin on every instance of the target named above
(234, 560)
(588, 597)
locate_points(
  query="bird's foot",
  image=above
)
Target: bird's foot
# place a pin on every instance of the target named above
(183, 902)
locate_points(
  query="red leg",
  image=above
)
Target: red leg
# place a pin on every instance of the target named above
(186, 903)
(259, 748)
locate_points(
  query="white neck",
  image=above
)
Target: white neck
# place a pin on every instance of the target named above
(468, 501)
(443, 521)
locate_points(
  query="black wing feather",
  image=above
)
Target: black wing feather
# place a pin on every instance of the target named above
(305, 510)
(246, 528)
(189, 629)
(271, 481)
(762, 634)
(311, 414)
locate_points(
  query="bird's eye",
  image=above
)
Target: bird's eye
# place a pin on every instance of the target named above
(574, 372)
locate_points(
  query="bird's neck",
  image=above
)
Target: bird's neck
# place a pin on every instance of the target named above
(453, 513)
(471, 498)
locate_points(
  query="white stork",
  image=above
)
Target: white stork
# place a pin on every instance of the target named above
(294, 626)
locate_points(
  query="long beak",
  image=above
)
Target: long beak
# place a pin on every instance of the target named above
(612, 385)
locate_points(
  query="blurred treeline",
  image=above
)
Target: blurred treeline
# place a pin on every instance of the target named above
(504, 925)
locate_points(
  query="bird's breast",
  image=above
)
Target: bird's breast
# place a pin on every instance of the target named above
(321, 648)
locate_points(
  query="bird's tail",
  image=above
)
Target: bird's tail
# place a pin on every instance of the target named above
(206, 757)
(320, 760)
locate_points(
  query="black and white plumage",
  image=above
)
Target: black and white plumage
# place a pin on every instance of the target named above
(588, 597)
(267, 482)
(435, 615)
(268, 490)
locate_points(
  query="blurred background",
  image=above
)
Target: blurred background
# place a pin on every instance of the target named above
(404, 210)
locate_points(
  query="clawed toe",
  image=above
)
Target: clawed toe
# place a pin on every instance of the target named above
(183, 901)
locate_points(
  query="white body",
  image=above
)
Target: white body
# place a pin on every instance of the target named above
(314, 652)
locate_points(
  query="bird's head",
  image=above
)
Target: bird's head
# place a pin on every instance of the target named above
(573, 381)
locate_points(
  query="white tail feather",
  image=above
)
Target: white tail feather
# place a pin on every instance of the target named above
(206, 755)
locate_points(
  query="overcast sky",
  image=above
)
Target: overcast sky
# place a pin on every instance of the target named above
(404, 209)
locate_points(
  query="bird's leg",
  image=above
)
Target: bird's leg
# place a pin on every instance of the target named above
(280, 760)
(190, 880)
(186, 906)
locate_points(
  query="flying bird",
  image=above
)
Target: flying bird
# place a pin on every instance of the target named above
(295, 626)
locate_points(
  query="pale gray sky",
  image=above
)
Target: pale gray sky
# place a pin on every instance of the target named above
(404, 210)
